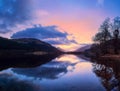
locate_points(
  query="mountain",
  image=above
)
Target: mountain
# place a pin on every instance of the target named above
(85, 47)
(25, 52)
(26, 44)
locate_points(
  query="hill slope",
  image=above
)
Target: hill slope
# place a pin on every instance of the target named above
(26, 44)
(85, 47)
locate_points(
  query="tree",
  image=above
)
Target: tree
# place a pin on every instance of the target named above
(116, 28)
(100, 37)
(104, 32)
(108, 31)
(103, 35)
(116, 23)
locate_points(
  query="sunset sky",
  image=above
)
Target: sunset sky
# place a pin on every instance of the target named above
(70, 21)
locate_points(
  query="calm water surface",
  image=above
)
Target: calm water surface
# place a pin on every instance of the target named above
(65, 73)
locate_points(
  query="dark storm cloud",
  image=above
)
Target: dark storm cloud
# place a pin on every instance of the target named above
(49, 34)
(13, 12)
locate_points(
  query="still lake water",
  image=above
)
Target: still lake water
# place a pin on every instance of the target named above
(64, 73)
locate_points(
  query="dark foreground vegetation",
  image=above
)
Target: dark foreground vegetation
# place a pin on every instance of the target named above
(107, 41)
(107, 48)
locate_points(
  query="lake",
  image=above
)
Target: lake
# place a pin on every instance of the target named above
(64, 73)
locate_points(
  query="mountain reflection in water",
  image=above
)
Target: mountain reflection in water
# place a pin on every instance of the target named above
(64, 73)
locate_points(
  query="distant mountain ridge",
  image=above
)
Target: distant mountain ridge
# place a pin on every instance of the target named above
(85, 47)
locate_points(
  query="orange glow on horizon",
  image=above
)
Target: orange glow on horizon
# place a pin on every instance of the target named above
(83, 29)
(70, 47)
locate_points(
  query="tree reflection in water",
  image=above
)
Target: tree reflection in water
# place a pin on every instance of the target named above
(109, 73)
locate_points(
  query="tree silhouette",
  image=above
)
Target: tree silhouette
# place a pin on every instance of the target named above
(116, 34)
(104, 32)
(116, 23)
(103, 35)
(116, 27)
(108, 36)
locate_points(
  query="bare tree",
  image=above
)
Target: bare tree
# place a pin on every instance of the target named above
(116, 34)
(116, 28)
(104, 32)
(116, 23)
(103, 35)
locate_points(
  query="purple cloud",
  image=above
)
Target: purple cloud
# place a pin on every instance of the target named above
(48, 34)
(13, 12)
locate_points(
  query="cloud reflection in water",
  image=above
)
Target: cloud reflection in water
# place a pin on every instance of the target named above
(51, 70)
(10, 81)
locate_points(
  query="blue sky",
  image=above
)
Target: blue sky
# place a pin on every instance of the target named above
(80, 19)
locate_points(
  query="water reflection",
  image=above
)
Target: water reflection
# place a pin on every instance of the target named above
(26, 61)
(64, 73)
(109, 73)
(51, 70)
(10, 81)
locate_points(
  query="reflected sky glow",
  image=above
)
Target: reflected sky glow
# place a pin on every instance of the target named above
(69, 47)
(66, 73)
(68, 58)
